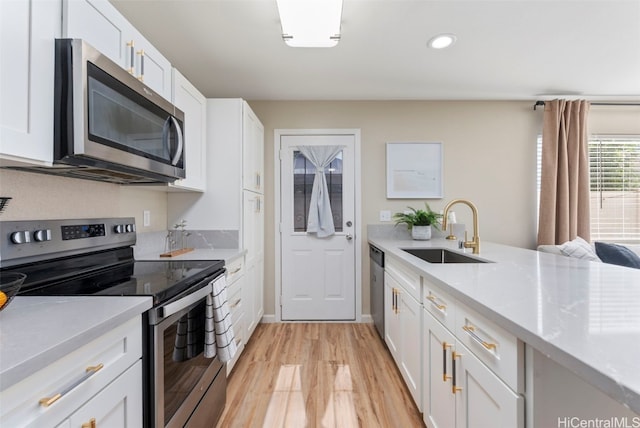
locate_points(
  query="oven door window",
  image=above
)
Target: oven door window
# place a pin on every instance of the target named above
(184, 361)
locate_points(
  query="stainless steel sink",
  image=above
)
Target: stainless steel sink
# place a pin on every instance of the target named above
(441, 255)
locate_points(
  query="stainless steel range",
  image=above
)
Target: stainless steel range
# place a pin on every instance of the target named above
(95, 257)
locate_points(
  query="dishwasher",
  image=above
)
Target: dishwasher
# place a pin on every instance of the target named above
(376, 275)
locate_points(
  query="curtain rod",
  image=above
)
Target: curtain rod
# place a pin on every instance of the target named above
(541, 103)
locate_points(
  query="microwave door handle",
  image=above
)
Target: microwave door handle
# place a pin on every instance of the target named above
(166, 127)
(178, 153)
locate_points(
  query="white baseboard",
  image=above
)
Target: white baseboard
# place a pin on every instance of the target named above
(271, 318)
(268, 319)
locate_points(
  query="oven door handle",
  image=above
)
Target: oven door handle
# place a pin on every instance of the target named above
(178, 305)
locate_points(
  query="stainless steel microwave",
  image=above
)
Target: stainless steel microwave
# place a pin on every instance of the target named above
(108, 125)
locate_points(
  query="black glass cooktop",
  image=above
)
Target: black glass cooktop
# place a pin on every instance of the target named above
(116, 273)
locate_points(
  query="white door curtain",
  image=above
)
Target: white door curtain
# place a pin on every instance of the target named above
(320, 219)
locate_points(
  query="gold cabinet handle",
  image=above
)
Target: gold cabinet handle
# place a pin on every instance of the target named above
(454, 388)
(258, 180)
(396, 293)
(445, 345)
(471, 332)
(141, 75)
(131, 47)
(236, 303)
(90, 424)
(236, 270)
(433, 300)
(89, 371)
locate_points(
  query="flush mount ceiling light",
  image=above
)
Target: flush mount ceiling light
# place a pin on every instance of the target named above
(442, 41)
(310, 23)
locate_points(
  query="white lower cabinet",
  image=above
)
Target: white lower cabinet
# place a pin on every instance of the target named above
(118, 405)
(459, 389)
(236, 289)
(403, 333)
(101, 380)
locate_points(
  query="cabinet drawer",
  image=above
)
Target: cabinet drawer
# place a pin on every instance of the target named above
(439, 303)
(501, 351)
(405, 276)
(235, 270)
(234, 296)
(116, 350)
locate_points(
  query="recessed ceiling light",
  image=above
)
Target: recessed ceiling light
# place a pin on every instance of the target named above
(442, 41)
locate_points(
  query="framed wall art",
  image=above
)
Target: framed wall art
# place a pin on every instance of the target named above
(414, 170)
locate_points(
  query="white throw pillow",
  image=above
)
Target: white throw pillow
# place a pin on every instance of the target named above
(580, 249)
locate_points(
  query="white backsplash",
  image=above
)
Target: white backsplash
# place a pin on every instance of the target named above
(156, 242)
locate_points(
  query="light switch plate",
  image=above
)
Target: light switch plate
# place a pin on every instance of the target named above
(385, 215)
(146, 218)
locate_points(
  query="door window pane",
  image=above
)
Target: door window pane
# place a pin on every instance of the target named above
(303, 175)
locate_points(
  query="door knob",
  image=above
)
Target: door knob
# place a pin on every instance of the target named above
(349, 237)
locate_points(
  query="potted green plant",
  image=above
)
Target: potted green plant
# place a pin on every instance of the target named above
(418, 221)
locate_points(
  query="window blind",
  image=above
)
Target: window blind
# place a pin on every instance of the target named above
(614, 163)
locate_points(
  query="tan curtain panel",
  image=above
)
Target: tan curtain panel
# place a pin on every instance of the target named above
(564, 192)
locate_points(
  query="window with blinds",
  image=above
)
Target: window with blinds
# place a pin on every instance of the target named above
(615, 187)
(614, 163)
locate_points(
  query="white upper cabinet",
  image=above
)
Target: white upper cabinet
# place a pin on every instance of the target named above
(27, 33)
(103, 27)
(194, 105)
(252, 152)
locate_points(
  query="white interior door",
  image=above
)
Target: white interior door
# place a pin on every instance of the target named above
(318, 274)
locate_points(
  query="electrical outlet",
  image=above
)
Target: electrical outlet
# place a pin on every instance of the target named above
(146, 218)
(385, 215)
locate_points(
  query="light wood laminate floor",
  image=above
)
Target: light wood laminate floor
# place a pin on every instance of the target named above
(317, 375)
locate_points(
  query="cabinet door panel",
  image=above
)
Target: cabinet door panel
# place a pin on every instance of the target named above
(484, 399)
(252, 152)
(391, 320)
(27, 33)
(194, 105)
(101, 25)
(118, 405)
(411, 325)
(154, 69)
(439, 401)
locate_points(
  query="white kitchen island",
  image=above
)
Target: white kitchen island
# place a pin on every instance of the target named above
(578, 322)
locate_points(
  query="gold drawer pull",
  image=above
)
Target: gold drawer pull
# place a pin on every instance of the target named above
(236, 270)
(47, 401)
(236, 303)
(471, 331)
(89, 371)
(432, 299)
(90, 424)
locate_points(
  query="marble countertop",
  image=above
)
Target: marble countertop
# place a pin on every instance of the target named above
(37, 331)
(226, 254)
(584, 315)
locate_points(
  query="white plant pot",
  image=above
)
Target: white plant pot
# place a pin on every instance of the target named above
(421, 233)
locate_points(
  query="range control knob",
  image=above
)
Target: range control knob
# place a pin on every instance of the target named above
(42, 235)
(119, 228)
(130, 228)
(21, 237)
